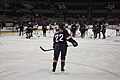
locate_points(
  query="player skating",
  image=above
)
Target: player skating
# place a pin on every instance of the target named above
(60, 46)
(44, 29)
(28, 32)
(103, 30)
(82, 29)
(96, 30)
(73, 29)
(21, 27)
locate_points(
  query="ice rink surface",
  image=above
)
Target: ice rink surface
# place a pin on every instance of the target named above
(93, 59)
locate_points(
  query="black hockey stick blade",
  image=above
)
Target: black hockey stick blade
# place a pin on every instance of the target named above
(45, 49)
(110, 34)
(36, 35)
(51, 48)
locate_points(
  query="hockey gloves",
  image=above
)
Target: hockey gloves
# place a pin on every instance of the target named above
(73, 42)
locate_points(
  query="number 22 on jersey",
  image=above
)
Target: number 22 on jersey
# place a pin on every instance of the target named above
(59, 37)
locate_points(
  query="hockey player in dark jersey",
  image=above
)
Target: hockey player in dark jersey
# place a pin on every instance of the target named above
(44, 29)
(103, 30)
(21, 27)
(73, 29)
(60, 46)
(82, 29)
(96, 30)
(28, 32)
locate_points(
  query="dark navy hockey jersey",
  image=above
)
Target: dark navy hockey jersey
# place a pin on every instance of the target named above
(62, 36)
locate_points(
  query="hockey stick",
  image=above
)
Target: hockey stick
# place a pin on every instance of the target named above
(90, 34)
(46, 49)
(110, 34)
(36, 35)
(51, 48)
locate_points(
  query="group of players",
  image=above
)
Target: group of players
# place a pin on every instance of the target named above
(75, 28)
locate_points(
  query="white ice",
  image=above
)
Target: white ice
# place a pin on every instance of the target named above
(93, 59)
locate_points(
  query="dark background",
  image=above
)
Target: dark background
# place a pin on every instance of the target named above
(62, 10)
